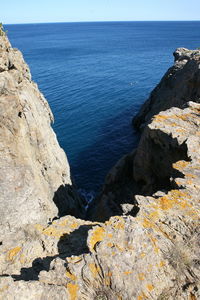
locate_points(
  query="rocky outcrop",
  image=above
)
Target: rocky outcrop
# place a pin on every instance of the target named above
(154, 255)
(35, 180)
(149, 249)
(179, 85)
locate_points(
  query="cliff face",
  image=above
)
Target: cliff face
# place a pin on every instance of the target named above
(149, 249)
(153, 255)
(180, 84)
(35, 178)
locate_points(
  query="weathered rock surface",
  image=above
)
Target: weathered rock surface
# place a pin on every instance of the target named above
(154, 255)
(180, 84)
(151, 251)
(35, 181)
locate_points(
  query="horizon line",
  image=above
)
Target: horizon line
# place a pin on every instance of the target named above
(109, 21)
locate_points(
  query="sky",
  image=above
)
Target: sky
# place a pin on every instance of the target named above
(39, 11)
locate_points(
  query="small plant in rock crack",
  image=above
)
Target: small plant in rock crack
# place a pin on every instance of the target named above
(2, 31)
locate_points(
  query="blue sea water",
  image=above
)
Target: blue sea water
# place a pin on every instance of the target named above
(95, 77)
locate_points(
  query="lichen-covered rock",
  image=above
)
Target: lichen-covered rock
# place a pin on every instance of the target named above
(154, 255)
(179, 85)
(35, 180)
(149, 249)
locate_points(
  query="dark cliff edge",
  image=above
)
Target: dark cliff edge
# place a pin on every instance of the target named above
(149, 246)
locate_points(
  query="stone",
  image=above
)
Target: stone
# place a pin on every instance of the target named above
(180, 84)
(142, 241)
(35, 178)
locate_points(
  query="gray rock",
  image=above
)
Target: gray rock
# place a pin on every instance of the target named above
(35, 179)
(180, 84)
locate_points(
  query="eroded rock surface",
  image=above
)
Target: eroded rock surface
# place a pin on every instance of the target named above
(35, 180)
(180, 84)
(149, 249)
(154, 255)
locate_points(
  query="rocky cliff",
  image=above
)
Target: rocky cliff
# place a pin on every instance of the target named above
(149, 249)
(35, 180)
(180, 84)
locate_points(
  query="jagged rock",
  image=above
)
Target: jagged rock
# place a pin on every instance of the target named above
(179, 85)
(35, 180)
(154, 255)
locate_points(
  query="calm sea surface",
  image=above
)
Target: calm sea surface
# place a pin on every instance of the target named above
(95, 77)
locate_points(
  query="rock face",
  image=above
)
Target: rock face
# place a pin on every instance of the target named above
(35, 181)
(153, 255)
(149, 249)
(179, 85)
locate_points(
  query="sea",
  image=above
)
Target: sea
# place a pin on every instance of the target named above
(95, 77)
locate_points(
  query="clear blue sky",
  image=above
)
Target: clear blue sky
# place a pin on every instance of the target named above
(33, 11)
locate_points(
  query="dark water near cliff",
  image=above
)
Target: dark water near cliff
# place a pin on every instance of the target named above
(95, 77)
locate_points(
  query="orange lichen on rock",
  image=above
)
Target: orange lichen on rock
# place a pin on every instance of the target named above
(150, 287)
(74, 225)
(181, 164)
(162, 263)
(160, 118)
(174, 198)
(128, 272)
(141, 276)
(13, 252)
(97, 236)
(71, 276)
(94, 269)
(73, 290)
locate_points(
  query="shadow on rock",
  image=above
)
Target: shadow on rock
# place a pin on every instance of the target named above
(74, 243)
(68, 202)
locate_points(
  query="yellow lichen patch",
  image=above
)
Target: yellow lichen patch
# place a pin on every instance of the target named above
(71, 276)
(174, 198)
(142, 254)
(73, 290)
(150, 287)
(180, 165)
(13, 252)
(128, 272)
(190, 175)
(109, 235)
(52, 231)
(110, 245)
(149, 268)
(154, 215)
(63, 223)
(173, 124)
(94, 269)
(107, 279)
(22, 259)
(141, 276)
(39, 227)
(147, 223)
(181, 130)
(97, 235)
(160, 118)
(162, 263)
(117, 222)
(154, 240)
(74, 225)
